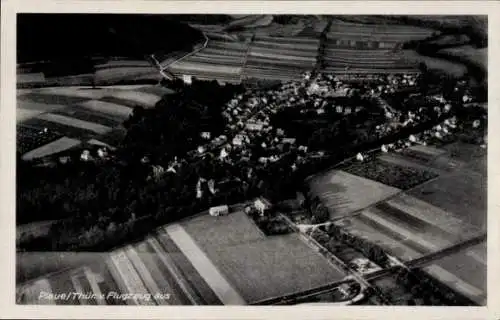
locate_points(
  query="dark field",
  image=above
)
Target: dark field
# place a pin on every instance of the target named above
(390, 174)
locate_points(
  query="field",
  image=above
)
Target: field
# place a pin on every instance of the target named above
(477, 56)
(243, 267)
(463, 193)
(280, 58)
(31, 265)
(369, 48)
(427, 216)
(205, 266)
(145, 267)
(437, 64)
(408, 228)
(206, 230)
(274, 267)
(464, 271)
(401, 177)
(257, 265)
(381, 32)
(464, 152)
(73, 122)
(29, 138)
(221, 60)
(79, 113)
(59, 145)
(344, 193)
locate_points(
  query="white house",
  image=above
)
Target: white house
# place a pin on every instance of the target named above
(187, 79)
(102, 153)
(238, 140)
(219, 210)
(254, 126)
(205, 135)
(86, 156)
(223, 153)
(261, 204)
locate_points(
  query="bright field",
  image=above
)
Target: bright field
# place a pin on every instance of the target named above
(59, 145)
(236, 227)
(464, 271)
(409, 228)
(274, 267)
(258, 267)
(344, 193)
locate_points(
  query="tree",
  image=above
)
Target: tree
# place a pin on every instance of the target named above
(321, 214)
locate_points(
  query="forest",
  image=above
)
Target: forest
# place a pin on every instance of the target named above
(68, 43)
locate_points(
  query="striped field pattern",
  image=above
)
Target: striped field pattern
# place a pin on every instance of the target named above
(172, 267)
(78, 113)
(446, 211)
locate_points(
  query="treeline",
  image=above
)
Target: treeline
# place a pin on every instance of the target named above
(429, 290)
(69, 41)
(337, 237)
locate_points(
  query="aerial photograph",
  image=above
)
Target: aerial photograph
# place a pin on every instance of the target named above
(210, 159)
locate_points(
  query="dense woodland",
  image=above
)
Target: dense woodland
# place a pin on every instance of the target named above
(67, 44)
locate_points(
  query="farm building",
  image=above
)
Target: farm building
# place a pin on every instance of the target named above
(206, 135)
(187, 79)
(261, 204)
(219, 210)
(255, 126)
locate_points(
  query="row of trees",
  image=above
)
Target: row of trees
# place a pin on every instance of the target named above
(370, 250)
(430, 290)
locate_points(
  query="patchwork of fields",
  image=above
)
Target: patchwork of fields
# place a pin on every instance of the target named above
(204, 260)
(74, 115)
(369, 48)
(349, 48)
(434, 212)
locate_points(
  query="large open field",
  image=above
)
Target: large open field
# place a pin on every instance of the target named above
(344, 193)
(463, 193)
(207, 230)
(464, 271)
(205, 266)
(259, 267)
(445, 209)
(274, 267)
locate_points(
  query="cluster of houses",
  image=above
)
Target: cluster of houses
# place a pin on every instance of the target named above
(250, 130)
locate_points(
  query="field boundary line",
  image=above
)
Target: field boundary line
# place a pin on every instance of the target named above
(204, 265)
(163, 68)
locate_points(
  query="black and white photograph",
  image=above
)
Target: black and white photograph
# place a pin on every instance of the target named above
(251, 160)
